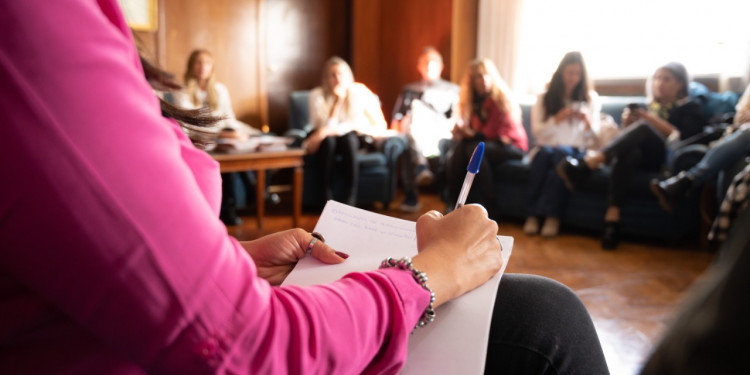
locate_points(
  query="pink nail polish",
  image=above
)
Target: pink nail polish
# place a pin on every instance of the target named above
(343, 255)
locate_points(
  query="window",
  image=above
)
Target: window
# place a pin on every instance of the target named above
(630, 39)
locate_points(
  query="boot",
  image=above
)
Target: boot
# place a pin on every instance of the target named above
(572, 171)
(672, 190)
(611, 235)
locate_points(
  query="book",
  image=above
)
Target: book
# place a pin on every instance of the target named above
(456, 342)
(256, 143)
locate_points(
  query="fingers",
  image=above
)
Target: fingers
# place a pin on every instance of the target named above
(327, 254)
(315, 246)
(477, 209)
(431, 215)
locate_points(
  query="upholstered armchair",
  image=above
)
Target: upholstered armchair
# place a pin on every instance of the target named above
(377, 169)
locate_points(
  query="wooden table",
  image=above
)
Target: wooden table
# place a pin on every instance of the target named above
(260, 162)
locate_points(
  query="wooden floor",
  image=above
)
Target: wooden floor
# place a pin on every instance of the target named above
(631, 293)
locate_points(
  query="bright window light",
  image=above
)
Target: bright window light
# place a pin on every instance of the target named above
(630, 39)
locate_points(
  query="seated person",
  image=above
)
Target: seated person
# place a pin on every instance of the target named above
(202, 90)
(709, 333)
(487, 113)
(648, 135)
(564, 121)
(725, 152)
(424, 112)
(341, 111)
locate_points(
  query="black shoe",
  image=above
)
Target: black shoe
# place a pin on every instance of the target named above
(231, 220)
(572, 171)
(611, 235)
(671, 190)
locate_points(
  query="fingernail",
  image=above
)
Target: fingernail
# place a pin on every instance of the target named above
(343, 255)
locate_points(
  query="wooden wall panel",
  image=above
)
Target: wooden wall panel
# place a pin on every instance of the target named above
(300, 36)
(231, 30)
(464, 36)
(263, 49)
(388, 36)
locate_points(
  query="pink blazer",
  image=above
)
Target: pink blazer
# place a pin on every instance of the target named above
(112, 257)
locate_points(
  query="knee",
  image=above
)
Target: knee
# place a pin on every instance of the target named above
(544, 155)
(541, 326)
(328, 143)
(539, 304)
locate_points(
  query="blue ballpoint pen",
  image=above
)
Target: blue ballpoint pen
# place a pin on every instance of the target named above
(471, 170)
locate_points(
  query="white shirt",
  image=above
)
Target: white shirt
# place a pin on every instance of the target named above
(569, 132)
(365, 115)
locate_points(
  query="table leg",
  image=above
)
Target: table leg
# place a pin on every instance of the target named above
(260, 195)
(297, 200)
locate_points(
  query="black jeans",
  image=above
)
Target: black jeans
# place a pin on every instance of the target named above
(495, 152)
(637, 147)
(547, 193)
(228, 211)
(347, 146)
(539, 326)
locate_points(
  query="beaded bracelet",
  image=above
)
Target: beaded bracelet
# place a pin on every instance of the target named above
(420, 277)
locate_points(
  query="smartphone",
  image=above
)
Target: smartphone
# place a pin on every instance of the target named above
(634, 106)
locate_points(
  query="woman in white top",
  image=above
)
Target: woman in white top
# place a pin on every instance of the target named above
(201, 90)
(341, 111)
(564, 121)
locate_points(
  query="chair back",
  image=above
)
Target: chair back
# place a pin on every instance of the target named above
(299, 110)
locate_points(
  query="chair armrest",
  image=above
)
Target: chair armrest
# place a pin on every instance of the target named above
(298, 135)
(392, 147)
(687, 157)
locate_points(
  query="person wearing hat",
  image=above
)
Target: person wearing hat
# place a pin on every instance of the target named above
(649, 133)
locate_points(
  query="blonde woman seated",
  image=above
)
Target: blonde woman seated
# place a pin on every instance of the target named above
(202, 90)
(487, 114)
(341, 111)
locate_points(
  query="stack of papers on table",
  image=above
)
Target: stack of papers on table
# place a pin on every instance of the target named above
(253, 144)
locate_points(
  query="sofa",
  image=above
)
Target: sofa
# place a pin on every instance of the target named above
(377, 166)
(641, 215)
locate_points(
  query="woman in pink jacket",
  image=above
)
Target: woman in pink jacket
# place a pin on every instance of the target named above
(113, 259)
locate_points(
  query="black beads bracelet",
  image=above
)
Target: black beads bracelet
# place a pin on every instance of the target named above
(420, 277)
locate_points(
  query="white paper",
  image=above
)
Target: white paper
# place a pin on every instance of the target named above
(456, 342)
(428, 127)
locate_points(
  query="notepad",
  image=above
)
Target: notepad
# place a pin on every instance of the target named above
(456, 343)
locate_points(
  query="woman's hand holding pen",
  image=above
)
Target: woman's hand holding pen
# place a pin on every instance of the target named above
(458, 252)
(276, 254)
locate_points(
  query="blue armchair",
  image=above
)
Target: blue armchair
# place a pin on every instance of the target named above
(377, 169)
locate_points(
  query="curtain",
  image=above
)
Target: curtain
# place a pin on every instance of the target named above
(498, 29)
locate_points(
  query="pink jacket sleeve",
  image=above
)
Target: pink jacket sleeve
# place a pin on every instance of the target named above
(109, 228)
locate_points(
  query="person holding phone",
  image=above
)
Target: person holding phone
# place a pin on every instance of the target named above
(564, 122)
(648, 135)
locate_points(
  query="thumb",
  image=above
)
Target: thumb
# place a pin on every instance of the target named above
(327, 254)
